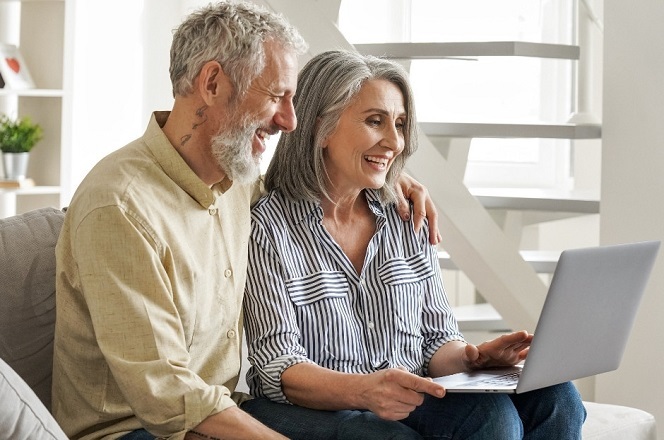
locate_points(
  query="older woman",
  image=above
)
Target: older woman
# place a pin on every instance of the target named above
(345, 311)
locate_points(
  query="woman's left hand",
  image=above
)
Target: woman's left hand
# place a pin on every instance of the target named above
(506, 350)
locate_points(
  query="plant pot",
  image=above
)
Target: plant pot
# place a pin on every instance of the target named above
(15, 165)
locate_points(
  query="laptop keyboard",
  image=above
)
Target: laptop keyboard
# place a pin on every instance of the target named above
(505, 380)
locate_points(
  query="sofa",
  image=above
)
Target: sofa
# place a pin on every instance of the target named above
(27, 317)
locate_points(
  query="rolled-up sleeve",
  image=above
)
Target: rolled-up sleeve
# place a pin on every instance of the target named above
(439, 325)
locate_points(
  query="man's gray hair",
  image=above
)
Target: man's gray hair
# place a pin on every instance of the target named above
(326, 86)
(233, 34)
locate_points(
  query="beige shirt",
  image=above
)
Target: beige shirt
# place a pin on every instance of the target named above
(151, 266)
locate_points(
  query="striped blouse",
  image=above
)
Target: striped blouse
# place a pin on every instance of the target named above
(305, 302)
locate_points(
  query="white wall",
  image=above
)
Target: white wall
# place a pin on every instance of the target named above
(120, 75)
(633, 184)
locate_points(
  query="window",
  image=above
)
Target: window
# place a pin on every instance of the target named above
(486, 89)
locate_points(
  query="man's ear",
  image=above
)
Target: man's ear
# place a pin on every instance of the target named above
(213, 82)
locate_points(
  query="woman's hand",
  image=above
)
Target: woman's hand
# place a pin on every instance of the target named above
(394, 393)
(506, 350)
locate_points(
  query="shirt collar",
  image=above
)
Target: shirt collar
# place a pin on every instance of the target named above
(302, 209)
(175, 167)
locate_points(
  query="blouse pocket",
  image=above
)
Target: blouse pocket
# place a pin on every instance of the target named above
(406, 270)
(317, 286)
(330, 331)
(405, 281)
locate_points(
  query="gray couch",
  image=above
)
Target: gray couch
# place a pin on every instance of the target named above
(27, 316)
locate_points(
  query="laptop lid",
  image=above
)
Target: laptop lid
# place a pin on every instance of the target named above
(586, 319)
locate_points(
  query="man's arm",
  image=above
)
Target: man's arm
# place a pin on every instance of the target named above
(232, 424)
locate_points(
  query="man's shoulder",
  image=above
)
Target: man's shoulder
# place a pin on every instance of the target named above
(114, 180)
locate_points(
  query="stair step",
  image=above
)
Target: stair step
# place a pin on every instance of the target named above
(418, 51)
(535, 199)
(479, 317)
(512, 130)
(541, 261)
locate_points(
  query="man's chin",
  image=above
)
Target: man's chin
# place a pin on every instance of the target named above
(247, 175)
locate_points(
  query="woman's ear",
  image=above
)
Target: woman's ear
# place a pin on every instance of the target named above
(317, 130)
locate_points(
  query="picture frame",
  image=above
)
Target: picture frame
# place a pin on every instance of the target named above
(13, 69)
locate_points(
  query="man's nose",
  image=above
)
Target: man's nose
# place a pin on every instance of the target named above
(285, 118)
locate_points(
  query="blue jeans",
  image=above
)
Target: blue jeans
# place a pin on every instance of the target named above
(139, 434)
(550, 413)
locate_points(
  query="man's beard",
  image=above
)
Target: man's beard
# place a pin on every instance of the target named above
(232, 148)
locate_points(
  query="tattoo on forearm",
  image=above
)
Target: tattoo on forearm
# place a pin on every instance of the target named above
(204, 436)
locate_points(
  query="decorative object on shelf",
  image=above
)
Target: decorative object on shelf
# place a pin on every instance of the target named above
(13, 69)
(16, 183)
(17, 138)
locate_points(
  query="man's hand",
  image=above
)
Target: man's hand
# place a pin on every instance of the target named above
(408, 188)
(394, 393)
(506, 350)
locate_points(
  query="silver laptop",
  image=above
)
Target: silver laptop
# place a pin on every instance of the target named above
(584, 325)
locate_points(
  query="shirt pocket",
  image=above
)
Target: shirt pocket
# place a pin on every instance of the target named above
(316, 287)
(330, 331)
(406, 280)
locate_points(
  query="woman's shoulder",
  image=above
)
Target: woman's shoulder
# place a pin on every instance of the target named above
(275, 208)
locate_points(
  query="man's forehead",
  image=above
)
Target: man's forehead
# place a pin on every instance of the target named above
(281, 68)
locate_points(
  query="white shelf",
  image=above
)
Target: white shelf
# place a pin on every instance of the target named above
(38, 28)
(509, 130)
(419, 51)
(34, 190)
(37, 93)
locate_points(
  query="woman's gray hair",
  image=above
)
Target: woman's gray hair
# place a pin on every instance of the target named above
(233, 34)
(326, 86)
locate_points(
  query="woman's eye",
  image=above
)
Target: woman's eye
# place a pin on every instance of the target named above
(374, 122)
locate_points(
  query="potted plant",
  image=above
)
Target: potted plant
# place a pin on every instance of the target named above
(17, 138)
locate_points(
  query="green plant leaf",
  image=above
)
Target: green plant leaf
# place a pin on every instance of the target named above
(18, 135)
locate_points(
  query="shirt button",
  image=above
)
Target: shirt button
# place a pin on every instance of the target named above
(212, 210)
(228, 273)
(230, 334)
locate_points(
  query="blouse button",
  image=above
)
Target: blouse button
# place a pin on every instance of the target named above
(371, 325)
(212, 210)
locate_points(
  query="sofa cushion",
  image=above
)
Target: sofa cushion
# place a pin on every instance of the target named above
(22, 414)
(615, 422)
(27, 295)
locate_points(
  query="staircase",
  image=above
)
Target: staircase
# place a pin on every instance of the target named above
(480, 233)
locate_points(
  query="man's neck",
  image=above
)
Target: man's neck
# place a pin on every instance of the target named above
(187, 131)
